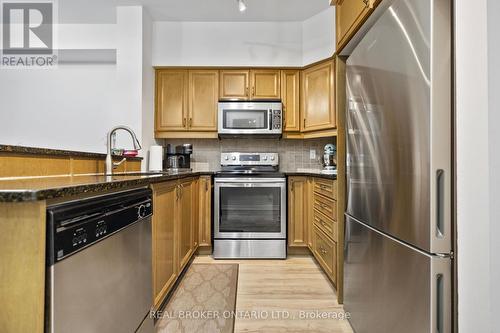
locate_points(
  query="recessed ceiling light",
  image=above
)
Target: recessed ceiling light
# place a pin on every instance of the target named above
(241, 5)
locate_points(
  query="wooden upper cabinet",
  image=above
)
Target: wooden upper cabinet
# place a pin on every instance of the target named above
(290, 92)
(171, 100)
(349, 16)
(234, 84)
(265, 84)
(255, 84)
(317, 97)
(203, 98)
(163, 235)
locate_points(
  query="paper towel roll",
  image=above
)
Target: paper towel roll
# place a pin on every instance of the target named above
(155, 158)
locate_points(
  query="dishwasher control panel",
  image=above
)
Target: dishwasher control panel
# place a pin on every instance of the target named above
(69, 232)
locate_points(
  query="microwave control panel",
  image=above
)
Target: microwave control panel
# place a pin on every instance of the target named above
(276, 119)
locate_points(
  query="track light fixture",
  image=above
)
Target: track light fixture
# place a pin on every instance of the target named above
(241, 5)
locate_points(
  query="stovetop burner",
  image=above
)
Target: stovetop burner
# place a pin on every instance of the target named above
(249, 164)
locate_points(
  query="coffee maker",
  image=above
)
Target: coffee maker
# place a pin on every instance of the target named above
(330, 160)
(178, 157)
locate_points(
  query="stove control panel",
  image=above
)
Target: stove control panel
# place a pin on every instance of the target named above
(241, 159)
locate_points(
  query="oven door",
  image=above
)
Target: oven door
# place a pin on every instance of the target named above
(236, 118)
(250, 208)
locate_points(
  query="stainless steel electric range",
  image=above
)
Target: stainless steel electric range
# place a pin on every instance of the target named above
(249, 207)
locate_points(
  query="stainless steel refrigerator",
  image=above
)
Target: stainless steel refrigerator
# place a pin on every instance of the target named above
(399, 235)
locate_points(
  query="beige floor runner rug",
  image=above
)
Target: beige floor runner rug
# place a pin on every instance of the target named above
(204, 301)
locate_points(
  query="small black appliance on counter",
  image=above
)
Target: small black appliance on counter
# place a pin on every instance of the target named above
(178, 157)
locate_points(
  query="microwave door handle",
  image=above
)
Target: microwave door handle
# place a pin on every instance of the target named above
(270, 119)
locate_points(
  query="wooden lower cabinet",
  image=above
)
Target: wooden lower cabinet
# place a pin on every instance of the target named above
(310, 210)
(185, 234)
(297, 211)
(325, 251)
(164, 242)
(178, 208)
(312, 220)
(205, 211)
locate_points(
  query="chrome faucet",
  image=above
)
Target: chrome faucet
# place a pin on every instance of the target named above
(109, 160)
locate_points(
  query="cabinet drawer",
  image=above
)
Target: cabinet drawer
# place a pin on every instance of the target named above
(325, 206)
(326, 187)
(326, 224)
(325, 251)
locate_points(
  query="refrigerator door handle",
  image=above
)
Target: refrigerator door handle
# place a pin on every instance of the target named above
(440, 219)
(441, 295)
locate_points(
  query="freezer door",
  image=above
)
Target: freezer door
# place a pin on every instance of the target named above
(399, 125)
(391, 287)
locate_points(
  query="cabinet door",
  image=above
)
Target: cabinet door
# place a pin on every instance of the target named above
(297, 211)
(196, 213)
(318, 110)
(325, 251)
(290, 91)
(234, 85)
(171, 100)
(310, 212)
(265, 84)
(205, 211)
(203, 98)
(164, 241)
(185, 233)
(350, 15)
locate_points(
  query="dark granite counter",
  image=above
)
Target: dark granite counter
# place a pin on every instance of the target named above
(310, 173)
(43, 188)
(54, 152)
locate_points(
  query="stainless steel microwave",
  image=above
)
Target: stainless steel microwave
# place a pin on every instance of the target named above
(250, 118)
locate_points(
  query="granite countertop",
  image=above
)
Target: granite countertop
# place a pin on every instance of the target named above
(308, 172)
(43, 188)
(55, 152)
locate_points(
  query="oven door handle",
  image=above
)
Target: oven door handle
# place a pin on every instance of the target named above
(269, 181)
(250, 185)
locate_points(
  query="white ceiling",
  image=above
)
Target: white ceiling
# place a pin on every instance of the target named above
(91, 11)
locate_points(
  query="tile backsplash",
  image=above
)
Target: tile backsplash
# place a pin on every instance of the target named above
(293, 154)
